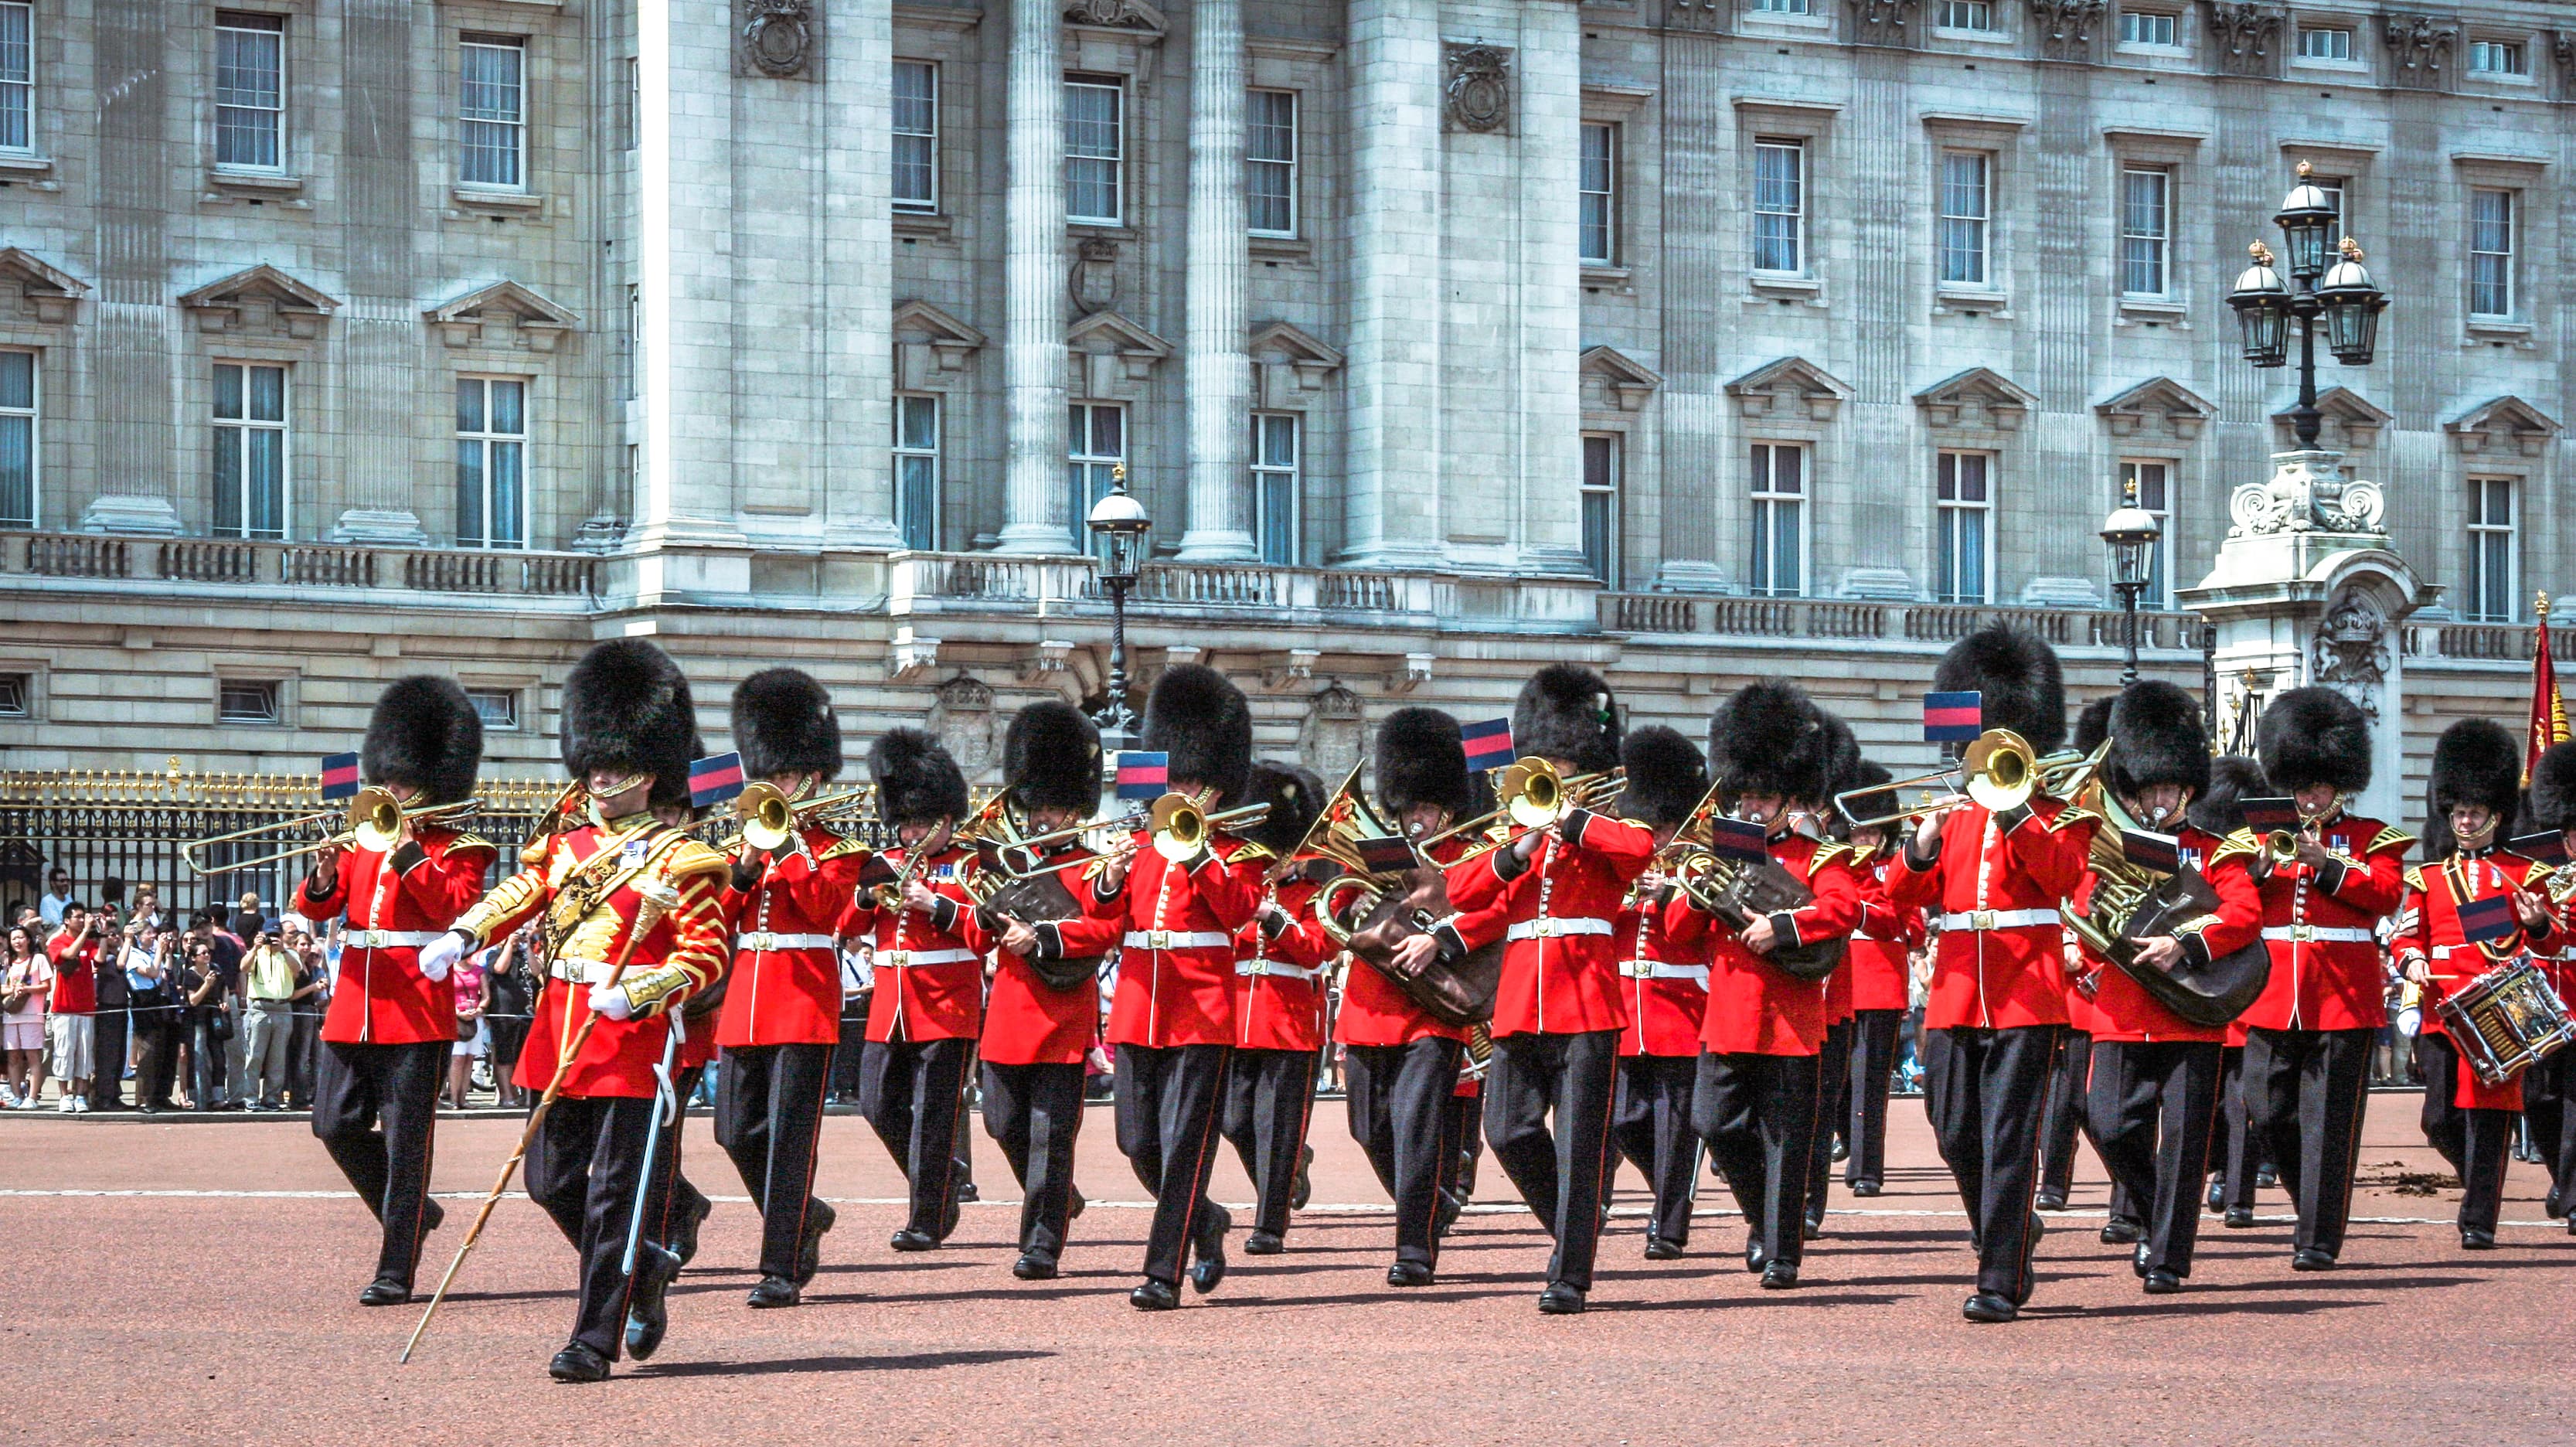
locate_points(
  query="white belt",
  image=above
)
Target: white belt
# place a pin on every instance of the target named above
(762, 940)
(1658, 970)
(385, 939)
(2327, 934)
(580, 972)
(1541, 929)
(916, 959)
(1168, 940)
(1994, 919)
(1274, 967)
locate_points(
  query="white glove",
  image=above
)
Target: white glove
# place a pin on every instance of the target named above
(441, 954)
(611, 1001)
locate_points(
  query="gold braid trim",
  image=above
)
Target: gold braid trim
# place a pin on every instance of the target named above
(696, 956)
(512, 899)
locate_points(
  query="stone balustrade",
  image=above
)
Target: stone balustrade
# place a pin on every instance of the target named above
(245, 563)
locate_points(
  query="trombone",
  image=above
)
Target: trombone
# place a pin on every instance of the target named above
(769, 819)
(1535, 795)
(1999, 770)
(1179, 827)
(373, 820)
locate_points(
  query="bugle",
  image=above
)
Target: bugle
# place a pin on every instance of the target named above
(374, 820)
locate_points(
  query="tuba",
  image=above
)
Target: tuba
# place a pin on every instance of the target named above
(1738, 892)
(2131, 902)
(1370, 908)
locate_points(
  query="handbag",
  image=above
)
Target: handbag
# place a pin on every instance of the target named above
(219, 1025)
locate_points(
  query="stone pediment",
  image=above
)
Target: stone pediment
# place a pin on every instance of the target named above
(1979, 396)
(2502, 425)
(929, 341)
(2157, 403)
(1110, 352)
(2351, 420)
(262, 299)
(477, 318)
(46, 292)
(1789, 388)
(1627, 379)
(1288, 359)
(1135, 16)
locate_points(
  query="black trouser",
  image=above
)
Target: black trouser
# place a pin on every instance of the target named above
(2234, 1149)
(670, 1192)
(304, 1059)
(769, 1116)
(156, 1056)
(1873, 1064)
(2551, 1118)
(509, 1037)
(1035, 1113)
(2477, 1143)
(1169, 1101)
(854, 1046)
(107, 1058)
(1652, 1127)
(911, 1091)
(1758, 1115)
(1986, 1091)
(1465, 1141)
(1833, 1087)
(2306, 1091)
(2152, 1106)
(1563, 1176)
(1269, 1095)
(586, 1168)
(2066, 1077)
(1400, 1101)
(375, 1109)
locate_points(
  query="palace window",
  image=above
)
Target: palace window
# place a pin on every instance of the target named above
(1270, 163)
(2325, 42)
(1596, 187)
(1962, 542)
(17, 77)
(2491, 595)
(2498, 57)
(1094, 151)
(18, 456)
(491, 462)
(2146, 230)
(2153, 478)
(1966, 209)
(246, 701)
(916, 470)
(2491, 253)
(1972, 15)
(497, 707)
(1780, 207)
(250, 451)
(492, 113)
(1601, 506)
(1096, 434)
(250, 90)
(1274, 486)
(1779, 564)
(916, 136)
(2147, 27)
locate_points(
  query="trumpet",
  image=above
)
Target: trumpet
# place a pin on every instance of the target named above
(1534, 795)
(374, 820)
(1999, 770)
(1180, 827)
(770, 819)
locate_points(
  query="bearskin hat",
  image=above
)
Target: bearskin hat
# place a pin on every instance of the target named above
(1566, 712)
(2233, 779)
(2552, 802)
(1421, 761)
(626, 707)
(2016, 677)
(425, 733)
(2315, 736)
(1879, 800)
(1767, 738)
(2093, 725)
(1051, 758)
(1295, 797)
(1666, 776)
(2156, 738)
(1202, 722)
(2476, 761)
(783, 724)
(916, 779)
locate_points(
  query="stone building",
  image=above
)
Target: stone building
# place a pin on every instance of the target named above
(1698, 339)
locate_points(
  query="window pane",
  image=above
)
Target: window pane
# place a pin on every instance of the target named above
(916, 129)
(227, 453)
(1778, 196)
(490, 114)
(250, 86)
(1596, 463)
(228, 391)
(1271, 128)
(917, 501)
(17, 77)
(1108, 432)
(469, 492)
(264, 466)
(17, 379)
(1963, 217)
(1596, 533)
(1785, 579)
(509, 408)
(1972, 555)
(469, 404)
(509, 489)
(1092, 149)
(268, 394)
(18, 472)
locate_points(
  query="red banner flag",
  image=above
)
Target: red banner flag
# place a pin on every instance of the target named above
(2548, 712)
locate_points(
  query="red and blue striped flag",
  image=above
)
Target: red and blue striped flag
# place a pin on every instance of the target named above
(2265, 815)
(2147, 849)
(339, 777)
(1488, 744)
(1387, 854)
(2546, 847)
(2491, 918)
(714, 779)
(1740, 840)
(1143, 777)
(1953, 717)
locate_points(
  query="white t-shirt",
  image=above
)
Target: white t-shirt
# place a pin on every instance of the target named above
(35, 975)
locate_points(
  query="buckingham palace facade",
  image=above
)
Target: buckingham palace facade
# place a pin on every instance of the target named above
(1696, 339)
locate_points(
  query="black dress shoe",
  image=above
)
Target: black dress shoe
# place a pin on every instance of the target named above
(1560, 1299)
(1842, 1149)
(908, 1239)
(809, 1248)
(1033, 1267)
(1408, 1273)
(1811, 1227)
(2555, 1204)
(1152, 1295)
(1659, 1249)
(1779, 1276)
(1304, 1190)
(948, 1221)
(1209, 1244)
(966, 1191)
(433, 1217)
(2312, 1258)
(2052, 1200)
(2239, 1217)
(684, 1231)
(578, 1363)
(1864, 1188)
(1989, 1306)
(773, 1292)
(385, 1291)
(1755, 1258)
(1073, 1211)
(2161, 1282)
(2121, 1231)
(1263, 1243)
(2217, 1193)
(648, 1312)
(2265, 1178)
(2477, 1240)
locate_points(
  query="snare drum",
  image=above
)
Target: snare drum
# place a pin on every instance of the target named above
(2506, 1020)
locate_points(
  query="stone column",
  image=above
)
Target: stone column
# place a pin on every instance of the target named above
(1033, 276)
(853, 214)
(1549, 121)
(1220, 372)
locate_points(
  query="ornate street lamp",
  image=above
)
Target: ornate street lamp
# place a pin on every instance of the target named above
(2346, 301)
(2131, 532)
(2262, 302)
(2352, 307)
(1119, 522)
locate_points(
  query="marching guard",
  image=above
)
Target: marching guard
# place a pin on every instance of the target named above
(1281, 961)
(2070, 1070)
(392, 1021)
(1664, 973)
(2474, 791)
(1879, 962)
(2308, 1038)
(2549, 1088)
(1998, 997)
(782, 1002)
(634, 925)
(1818, 818)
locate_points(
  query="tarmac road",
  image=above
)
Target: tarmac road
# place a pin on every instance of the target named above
(179, 1280)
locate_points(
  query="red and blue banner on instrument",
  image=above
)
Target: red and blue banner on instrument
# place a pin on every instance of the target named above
(2546, 847)
(2265, 815)
(714, 779)
(1488, 744)
(339, 777)
(2147, 849)
(1953, 718)
(1740, 841)
(1143, 777)
(2488, 919)
(1387, 854)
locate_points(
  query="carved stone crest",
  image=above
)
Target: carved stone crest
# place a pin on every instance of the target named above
(1094, 282)
(1115, 15)
(778, 36)
(2421, 47)
(2066, 27)
(1884, 22)
(1334, 733)
(2350, 650)
(1479, 88)
(2248, 38)
(963, 721)
(2307, 492)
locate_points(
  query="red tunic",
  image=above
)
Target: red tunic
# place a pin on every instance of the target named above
(786, 982)
(1663, 974)
(394, 908)
(1561, 963)
(2121, 1008)
(1754, 1006)
(1026, 1023)
(1375, 1010)
(2326, 970)
(1176, 961)
(2429, 930)
(1879, 964)
(1279, 982)
(930, 981)
(1998, 963)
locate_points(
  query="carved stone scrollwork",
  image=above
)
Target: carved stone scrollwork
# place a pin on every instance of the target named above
(2248, 38)
(2422, 50)
(1115, 15)
(2065, 27)
(2562, 44)
(1707, 17)
(1885, 22)
(778, 36)
(1479, 87)
(2350, 650)
(2307, 492)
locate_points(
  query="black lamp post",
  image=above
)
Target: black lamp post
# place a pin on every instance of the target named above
(2341, 295)
(2131, 532)
(1122, 527)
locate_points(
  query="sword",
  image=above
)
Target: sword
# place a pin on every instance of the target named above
(666, 1109)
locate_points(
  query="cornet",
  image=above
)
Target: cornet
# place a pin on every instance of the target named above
(1534, 795)
(1180, 827)
(374, 820)
(769, 819)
